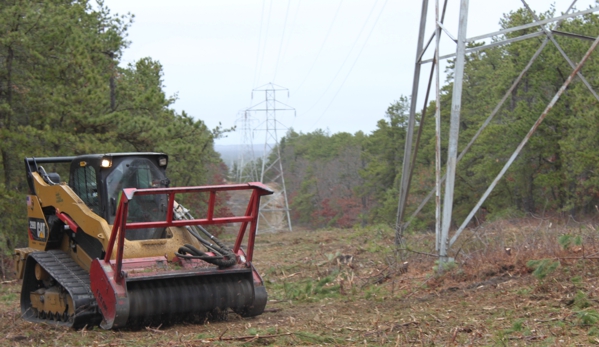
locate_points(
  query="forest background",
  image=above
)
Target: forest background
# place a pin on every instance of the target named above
(62, 92)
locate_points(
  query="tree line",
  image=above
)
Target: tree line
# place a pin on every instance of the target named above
(347, 179)
(63, 92)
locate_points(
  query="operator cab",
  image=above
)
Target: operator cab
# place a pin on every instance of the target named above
(98, 179)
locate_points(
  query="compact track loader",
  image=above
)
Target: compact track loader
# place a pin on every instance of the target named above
(113, 247)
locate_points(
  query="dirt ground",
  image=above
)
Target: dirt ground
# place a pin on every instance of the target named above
(350, 288)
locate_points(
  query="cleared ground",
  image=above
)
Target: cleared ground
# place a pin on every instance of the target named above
(348, 287)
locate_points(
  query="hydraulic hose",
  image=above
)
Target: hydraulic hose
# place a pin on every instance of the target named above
(190, 252)
(224, 256)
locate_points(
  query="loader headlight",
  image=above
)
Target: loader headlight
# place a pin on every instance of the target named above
(106, 162)
(162, 161)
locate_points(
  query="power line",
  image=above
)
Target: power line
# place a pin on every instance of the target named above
(292, 28)
(282, 37)
(345, 60)
(259, 44)
(265, 39)
(321, 46)
(352, 67)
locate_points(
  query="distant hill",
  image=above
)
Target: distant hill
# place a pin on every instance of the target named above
(232, 153)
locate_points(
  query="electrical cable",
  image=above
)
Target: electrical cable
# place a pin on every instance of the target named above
(292, 28)
(345, 60)
(265, 40)
(354, 64)
(259, 44)
(321, 46)
(282, 37)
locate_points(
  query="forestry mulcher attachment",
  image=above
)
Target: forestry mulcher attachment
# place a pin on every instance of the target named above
(113, 247)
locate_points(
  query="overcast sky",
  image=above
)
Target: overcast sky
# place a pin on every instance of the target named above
(343, 61)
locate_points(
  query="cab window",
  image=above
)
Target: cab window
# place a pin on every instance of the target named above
(138, 173)
(84, 183)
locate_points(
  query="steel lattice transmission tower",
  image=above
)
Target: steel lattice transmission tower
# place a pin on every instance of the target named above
(271, 164)
(246, 163)
(546, 30)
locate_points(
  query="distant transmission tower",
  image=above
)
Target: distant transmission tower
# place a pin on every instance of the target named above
(271, 157)
(246, 165)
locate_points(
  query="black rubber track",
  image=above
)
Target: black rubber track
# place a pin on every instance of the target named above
(72, 278)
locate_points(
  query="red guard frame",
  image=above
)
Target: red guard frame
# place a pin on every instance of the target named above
(120, 224)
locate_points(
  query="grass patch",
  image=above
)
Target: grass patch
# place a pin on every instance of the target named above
(315, 338)
(8, 297)
(310, 290)
(587, 317)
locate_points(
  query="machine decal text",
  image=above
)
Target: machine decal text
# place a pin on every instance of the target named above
(37, 227)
